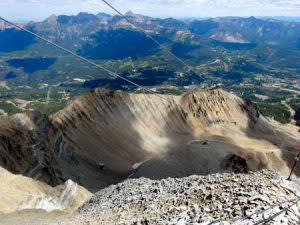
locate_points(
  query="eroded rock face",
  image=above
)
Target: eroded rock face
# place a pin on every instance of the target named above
(16, 153)
(165, 134)
(104, 137)
(24, 147)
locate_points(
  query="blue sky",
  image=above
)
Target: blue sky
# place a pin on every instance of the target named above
(20, 10)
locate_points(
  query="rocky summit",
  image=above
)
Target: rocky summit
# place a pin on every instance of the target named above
(254, 198)
(157, 145)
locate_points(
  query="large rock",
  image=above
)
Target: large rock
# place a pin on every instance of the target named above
(20, 193)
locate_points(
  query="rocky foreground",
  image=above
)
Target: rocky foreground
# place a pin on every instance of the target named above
(253, 198)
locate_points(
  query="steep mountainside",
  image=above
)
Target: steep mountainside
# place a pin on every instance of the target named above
(16, 155)
(105, 137)
(25, 149)
(162, 135)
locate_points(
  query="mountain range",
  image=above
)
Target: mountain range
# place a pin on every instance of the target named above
(63, 138)
(257, 43)
(252, 57)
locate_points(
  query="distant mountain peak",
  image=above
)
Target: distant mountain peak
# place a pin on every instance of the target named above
(101, 14)
(80, 18)
(130, 13)
(86, 15)
(253, 19)
(51, 18)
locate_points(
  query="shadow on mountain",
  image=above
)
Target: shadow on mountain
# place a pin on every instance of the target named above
(14, 40)
(118, 44)
(145, 77)
(206, 153)
(183, 50)
(202, 27)
(10, 75)
(199, 157)
(244, 66)
(188, 154)
(234, 46)
(234, 76)
(31, 65)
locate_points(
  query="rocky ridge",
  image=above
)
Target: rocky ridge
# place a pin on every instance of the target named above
(144, 135)
(168, 136)
(257, 197)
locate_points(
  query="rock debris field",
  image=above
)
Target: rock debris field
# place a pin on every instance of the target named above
(253, 198)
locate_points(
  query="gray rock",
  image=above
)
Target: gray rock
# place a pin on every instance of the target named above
(221, 198)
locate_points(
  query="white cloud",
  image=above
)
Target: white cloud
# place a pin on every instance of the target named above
(39, 9)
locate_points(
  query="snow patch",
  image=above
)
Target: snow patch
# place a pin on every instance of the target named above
(50, 203)
(137, 165)
(24, 121)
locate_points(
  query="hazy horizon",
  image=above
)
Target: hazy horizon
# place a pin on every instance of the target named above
(25, 10)
(282, 18)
